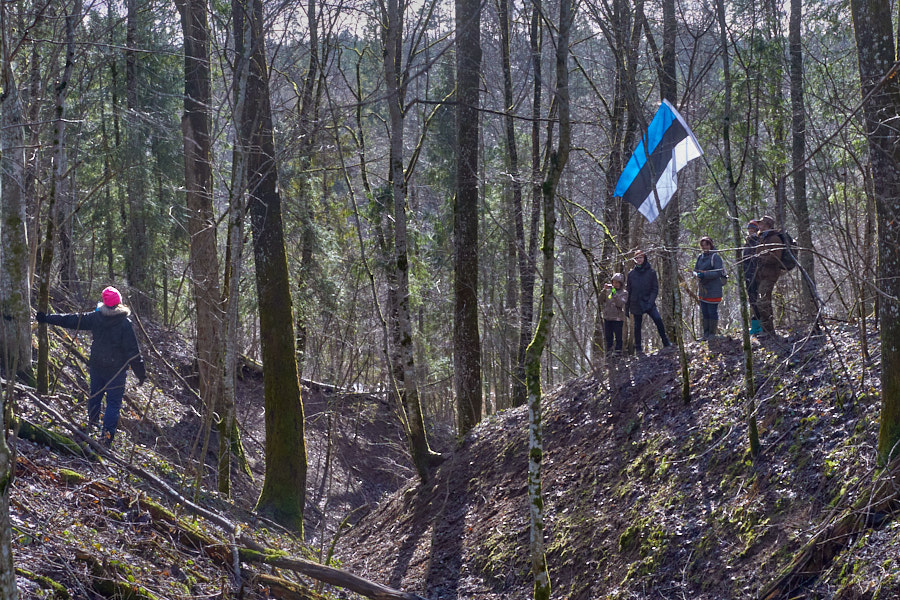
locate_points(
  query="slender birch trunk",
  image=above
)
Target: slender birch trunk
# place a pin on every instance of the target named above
(558, 159)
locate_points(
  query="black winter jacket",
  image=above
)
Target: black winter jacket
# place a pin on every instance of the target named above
(643, 287)
(114, 344)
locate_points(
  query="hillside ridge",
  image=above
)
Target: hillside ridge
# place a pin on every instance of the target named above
(646, 497)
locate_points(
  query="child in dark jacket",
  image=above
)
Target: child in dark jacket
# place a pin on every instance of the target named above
(113, 348)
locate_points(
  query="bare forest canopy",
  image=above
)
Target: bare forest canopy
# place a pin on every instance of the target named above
(124, 166)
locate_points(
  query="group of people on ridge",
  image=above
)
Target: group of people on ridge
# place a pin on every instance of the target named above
(636, 294)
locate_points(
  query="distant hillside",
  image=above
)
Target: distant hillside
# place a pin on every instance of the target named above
(648, 498)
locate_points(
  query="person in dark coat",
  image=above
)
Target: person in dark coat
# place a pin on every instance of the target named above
(768, 270)
(113, 348)
(642, 286)
(615, 299)
(710, 273)
(749, 263)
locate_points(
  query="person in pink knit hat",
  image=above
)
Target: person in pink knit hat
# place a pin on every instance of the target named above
(113, 348)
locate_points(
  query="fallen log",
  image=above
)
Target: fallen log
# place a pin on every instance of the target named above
(329, 575)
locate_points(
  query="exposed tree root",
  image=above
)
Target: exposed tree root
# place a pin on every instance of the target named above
(874, 507)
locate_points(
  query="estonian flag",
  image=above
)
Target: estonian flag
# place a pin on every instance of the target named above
(672, 146)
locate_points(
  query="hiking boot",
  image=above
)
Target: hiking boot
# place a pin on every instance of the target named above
(106, 439)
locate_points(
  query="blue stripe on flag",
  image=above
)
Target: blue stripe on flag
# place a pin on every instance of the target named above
(672, 146)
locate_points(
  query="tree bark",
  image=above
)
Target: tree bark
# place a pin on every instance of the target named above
(15, 280)
(204, 263)
(422, 456)
(466, 338)
(872, 21)
(526, 303)
(135, 243)
(558, 161)
(809, 307)
(749, 385)
(64, 202)
(284, 489)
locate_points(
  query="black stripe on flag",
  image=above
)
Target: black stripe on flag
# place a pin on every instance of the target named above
(642, 185)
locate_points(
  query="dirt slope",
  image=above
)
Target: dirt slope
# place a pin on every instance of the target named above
(647, 497)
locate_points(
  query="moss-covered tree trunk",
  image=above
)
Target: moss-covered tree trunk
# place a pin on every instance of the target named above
(872, 20)
(15, 288)
(558, 159)
(749, 386)
(284, 488)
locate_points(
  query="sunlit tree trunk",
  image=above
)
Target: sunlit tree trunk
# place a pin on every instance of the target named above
(284, 489)
(558, 159)
(422, 456)
(872, 20)
(466, 339)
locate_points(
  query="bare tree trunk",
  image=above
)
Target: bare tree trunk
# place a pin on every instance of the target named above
(64, 201)
(466, 338)
(872, 21)
(204, 263)
(808, 305)
(307, 110)
(670, 219)
(526, 304)
(558, 161)
(135, 244)
(284, 490)
(517, 250)
(422, 456)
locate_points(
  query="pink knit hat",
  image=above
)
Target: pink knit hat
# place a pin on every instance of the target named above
(111, 297)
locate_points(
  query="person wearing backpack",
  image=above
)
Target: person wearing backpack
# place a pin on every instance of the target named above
(114, 348)
(642, 286)
(710, 273)
(769, 251)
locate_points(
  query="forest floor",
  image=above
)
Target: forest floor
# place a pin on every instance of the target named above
(645, 496)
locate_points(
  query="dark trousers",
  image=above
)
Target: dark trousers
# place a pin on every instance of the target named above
(111, 383)
(613, 332)
(764, 305)
(709, 310)
(654, 316)
(753, 296)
